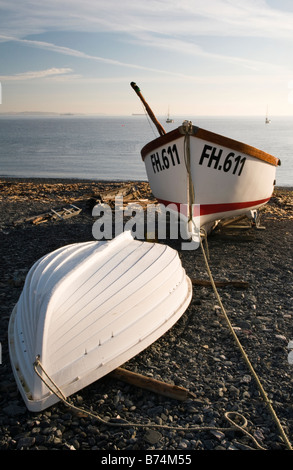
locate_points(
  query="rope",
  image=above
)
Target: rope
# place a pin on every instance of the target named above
(187, 130)
(122, 423)
(148, 120)
(261, 389)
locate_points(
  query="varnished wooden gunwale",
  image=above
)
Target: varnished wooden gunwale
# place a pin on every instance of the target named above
(212, 138)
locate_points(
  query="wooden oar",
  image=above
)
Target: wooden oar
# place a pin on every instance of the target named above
(151, 384)
(159, 127)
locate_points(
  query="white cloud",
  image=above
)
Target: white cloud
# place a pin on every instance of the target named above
(83, 55)
(212, 43)
(185, 18)
(32, 75)
(183, 47)
(187, 47)
(156, 24)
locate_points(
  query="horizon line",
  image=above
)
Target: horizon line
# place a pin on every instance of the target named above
(180, 115)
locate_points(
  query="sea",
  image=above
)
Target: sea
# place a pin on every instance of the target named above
(108, 148)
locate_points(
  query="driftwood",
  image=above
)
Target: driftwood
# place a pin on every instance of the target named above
(129, 192)
(152, 385)
(233, 220)
(52, 214)
(125, 190)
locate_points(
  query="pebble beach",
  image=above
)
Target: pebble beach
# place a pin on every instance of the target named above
(253, 270)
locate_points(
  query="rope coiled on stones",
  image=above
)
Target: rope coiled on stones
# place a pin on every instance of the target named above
(53, 387)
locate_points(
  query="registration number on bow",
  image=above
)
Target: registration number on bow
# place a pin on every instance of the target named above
(167, 158)
(216, 158)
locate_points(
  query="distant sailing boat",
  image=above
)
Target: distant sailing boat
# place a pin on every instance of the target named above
(267, 121)
(168, 118)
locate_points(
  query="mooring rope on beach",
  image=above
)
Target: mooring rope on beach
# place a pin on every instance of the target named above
(120, 422)
(251, 368)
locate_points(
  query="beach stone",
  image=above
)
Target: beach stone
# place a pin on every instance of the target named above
(57, 441)
(36, 430)
(152, 436)
(218, 434)
(25, 442)
(184, 444)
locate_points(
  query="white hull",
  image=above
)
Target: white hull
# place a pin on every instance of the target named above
(87, 308)
(229, 178)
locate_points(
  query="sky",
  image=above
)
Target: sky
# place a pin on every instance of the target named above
(194, 57)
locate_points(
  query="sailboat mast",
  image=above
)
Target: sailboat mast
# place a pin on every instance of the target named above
(267, 121)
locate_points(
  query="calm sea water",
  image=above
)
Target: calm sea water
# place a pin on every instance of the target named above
(108, 148)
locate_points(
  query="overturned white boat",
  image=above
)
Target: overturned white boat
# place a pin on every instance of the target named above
(87, 308)
(207, 176)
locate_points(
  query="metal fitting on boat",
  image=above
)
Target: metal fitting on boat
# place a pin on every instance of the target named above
(187, 128)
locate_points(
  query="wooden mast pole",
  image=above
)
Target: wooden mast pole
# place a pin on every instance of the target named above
(159, 127)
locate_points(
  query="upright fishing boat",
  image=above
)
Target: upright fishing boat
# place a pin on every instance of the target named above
(210, 176)
(89, 307)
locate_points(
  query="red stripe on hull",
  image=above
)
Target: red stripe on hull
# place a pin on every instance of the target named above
(206, 209)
